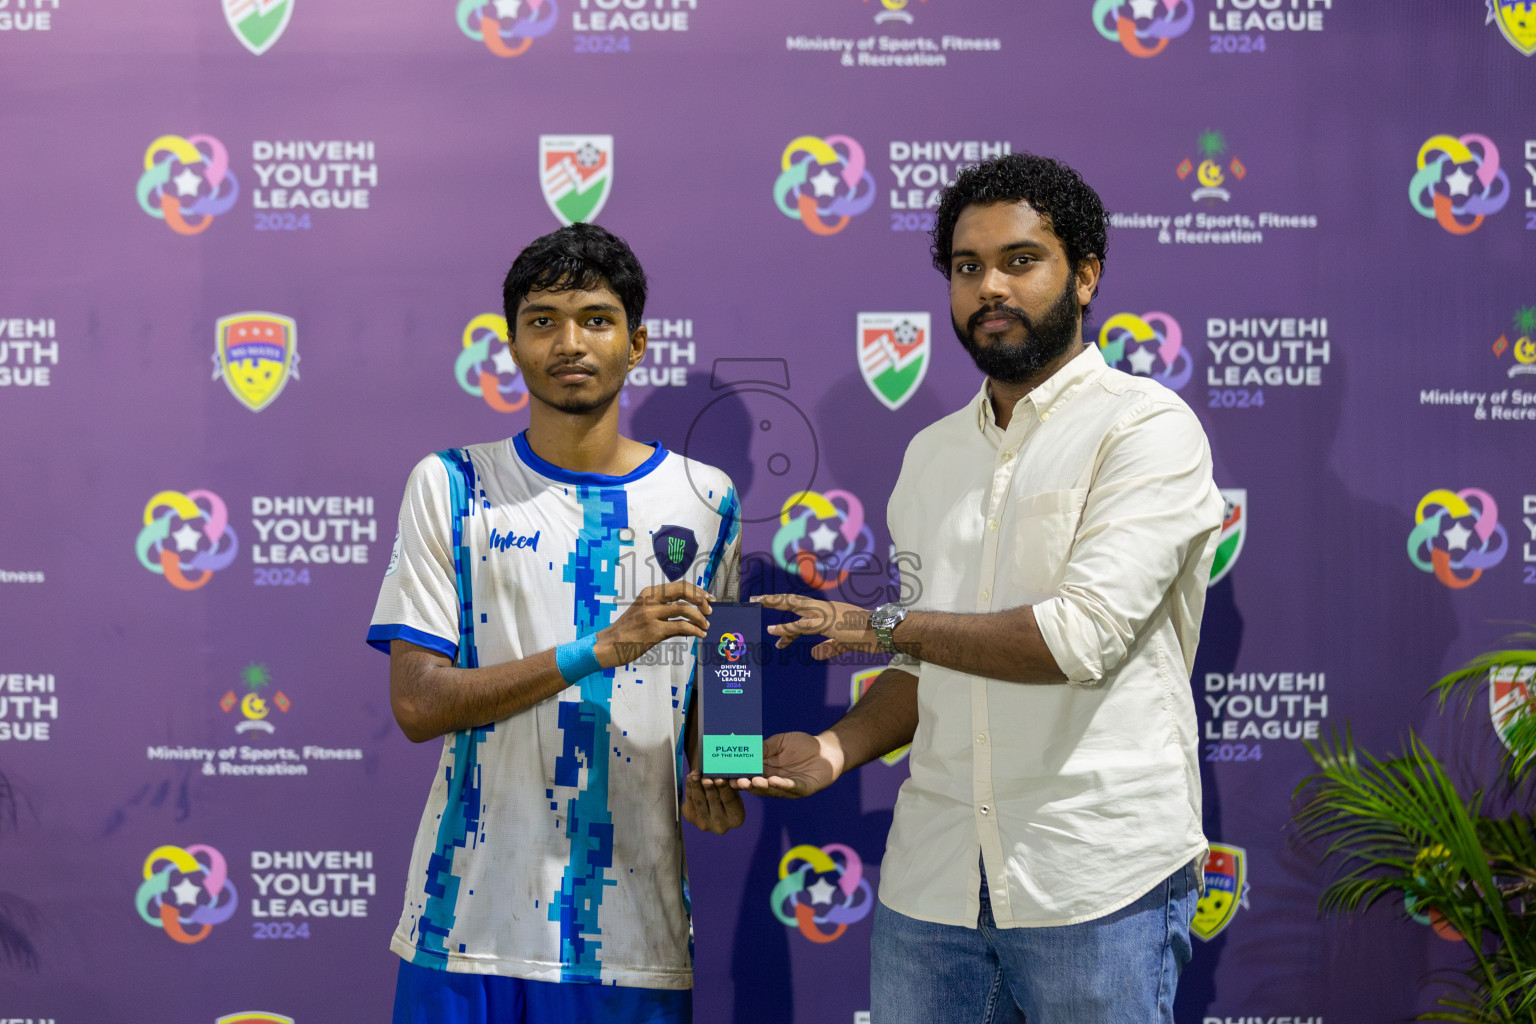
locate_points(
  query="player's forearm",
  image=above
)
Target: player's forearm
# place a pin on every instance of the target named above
(1004, 645)
(884, 719)
(430, 697)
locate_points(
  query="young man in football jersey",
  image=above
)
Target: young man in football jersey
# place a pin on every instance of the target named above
(540, 614)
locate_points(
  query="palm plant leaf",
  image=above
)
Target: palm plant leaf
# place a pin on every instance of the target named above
(1517, 723)
(1401, 826)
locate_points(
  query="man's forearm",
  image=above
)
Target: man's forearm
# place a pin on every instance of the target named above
(884, 719)
(1004, 645)
(431, 697)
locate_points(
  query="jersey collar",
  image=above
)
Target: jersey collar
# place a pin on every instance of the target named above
(567, 476)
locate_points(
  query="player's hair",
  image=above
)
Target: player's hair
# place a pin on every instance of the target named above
(1055, 191)
(581, 257)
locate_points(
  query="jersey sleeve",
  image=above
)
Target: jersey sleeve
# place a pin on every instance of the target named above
(418, 600)
(724, 572)
(726, 586)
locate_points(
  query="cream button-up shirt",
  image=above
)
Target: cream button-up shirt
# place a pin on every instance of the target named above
(1097, 507)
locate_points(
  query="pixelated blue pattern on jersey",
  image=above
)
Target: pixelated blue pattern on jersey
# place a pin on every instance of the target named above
(591, 567)
(460, 823)
(461, 484)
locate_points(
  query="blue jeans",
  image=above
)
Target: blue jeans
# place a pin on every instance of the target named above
(1118, 969)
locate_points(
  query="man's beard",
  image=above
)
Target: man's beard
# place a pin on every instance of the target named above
(1044, 339)
(576, 405)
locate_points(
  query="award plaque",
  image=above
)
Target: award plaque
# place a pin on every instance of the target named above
(731, 692)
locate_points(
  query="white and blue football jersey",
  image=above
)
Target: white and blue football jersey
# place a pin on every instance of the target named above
(550, 847)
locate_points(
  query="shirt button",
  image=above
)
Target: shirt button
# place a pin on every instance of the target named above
(981, 737)
(985, 809)
(1007, 456)
(993, 524)
(986, 595)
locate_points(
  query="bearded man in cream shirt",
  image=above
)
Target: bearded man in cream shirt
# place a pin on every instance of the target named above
(1045, 856)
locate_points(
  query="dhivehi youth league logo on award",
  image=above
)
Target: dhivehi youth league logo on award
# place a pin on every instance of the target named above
(893, 354)
(256, 353)
(576, 174)
(258, 24)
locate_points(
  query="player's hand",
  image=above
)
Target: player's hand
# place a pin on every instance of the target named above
(659, 613)
(713, 808)
(845, 626)
(795, 764)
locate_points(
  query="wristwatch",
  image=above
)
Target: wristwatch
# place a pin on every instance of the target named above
(883, 621)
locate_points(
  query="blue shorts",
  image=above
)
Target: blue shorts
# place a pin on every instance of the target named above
(427, 996)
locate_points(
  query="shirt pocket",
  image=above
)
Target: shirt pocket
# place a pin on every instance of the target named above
(1039, 533)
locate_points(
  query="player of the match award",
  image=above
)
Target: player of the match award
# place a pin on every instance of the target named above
(731, 692)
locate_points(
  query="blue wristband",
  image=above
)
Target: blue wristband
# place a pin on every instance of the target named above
(577, 659)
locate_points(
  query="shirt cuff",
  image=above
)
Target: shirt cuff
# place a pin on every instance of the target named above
(380, 635)
(1054, 619)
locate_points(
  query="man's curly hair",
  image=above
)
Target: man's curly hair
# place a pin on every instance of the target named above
(1054, 190)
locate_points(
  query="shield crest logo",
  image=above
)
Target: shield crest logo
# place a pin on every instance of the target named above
(674, 547)
(576, 174)
(858, 685)
(893, 354)
(1517, 21)
(258, 24)
(1509, 697)
(256, 353)
(1226, 889)
(1234, 531)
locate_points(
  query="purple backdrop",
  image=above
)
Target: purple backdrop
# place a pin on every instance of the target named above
(1321, 238)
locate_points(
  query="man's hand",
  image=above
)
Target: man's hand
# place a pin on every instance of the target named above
(659, 613)
(794, 764)
(713, 808)
(846, 626)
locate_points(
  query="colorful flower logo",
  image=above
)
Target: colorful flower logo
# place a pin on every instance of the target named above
(1149, 345)
(1151, 23)
(485, 367)
(823, 183)
(847, 895)
(1457, 535)
(506, 27)
(187, 182)
(185, 534)
(732, 646)
(1448, 167)
(203, 896)
(821, 543)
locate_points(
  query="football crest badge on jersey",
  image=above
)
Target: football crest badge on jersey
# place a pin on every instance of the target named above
(256, 354)
(893, 354)
(576, 174)
(674, 547)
